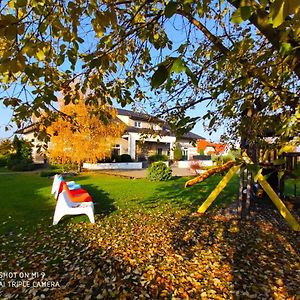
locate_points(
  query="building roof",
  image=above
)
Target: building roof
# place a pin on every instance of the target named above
(188, 135)
(148, 118)
(219, 147)
(193, 136)
(27, 129)
(138, 115)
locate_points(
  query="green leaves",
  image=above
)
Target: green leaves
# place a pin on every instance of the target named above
(243, 13)
(285, 49)
(159, 76)
(178, 66)
(170, 9)
(279, 10)
(181, 124)
(171, 65)
(11, 101)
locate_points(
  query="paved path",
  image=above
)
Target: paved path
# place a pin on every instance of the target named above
(143, 172)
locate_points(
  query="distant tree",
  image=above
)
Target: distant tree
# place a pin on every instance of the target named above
(177, 153)
(22, 150)
(19, 156)
(85, 138)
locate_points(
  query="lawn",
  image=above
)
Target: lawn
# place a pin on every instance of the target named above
(26, 198)
(147, 243)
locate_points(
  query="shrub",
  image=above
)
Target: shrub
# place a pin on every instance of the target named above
(125, 158)
(49, 173)
(106, 160)
(157, 157)
(22, 148)
(177, 154)
(16, 164)
(158, 171)
(195, 166)
(3, 160)
(63, 167)
(115, 158)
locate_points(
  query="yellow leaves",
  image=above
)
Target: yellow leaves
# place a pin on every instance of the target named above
(103, 20)
(40, 55)
(139, 18)
(280, 9)
(86, 138)
(96, 260)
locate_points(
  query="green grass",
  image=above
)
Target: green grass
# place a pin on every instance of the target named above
(292, 184)
(289, 187)
(26, 200)
(3, 170)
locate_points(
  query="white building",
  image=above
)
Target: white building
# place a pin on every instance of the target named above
(144, 136)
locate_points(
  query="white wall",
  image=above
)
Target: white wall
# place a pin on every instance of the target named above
(135, 136)
(185, 164)
(114, 166)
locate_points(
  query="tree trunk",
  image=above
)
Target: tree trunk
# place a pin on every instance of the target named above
(241, 195)
(249, 191)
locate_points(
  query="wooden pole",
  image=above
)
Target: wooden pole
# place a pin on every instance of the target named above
(221, 185)
(208, 173)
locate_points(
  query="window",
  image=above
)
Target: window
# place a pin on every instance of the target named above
(159, 151)
(137, 124)
(185, 154)
(116, 150)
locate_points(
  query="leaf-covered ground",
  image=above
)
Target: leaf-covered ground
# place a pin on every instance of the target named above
(163, 253)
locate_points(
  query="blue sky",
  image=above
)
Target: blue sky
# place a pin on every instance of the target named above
(5, 116)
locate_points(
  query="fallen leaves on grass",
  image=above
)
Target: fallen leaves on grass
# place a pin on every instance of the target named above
(160, 254)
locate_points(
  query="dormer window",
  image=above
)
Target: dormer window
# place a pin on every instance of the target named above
(137, 124)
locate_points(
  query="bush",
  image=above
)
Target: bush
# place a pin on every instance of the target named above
(201, 152)
(158, 171)
(195, 166)
(202, 157)
(22, 148)
(125, 158)
(177, 154)
(63, 167)
(3, 160)
(16, 164)
(157, 157)
(49, 173)
(106, 160)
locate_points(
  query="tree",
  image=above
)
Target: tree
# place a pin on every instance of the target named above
(6, 147)
(44, 45)
(21, 149)
(177, 153)
(85, 138)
